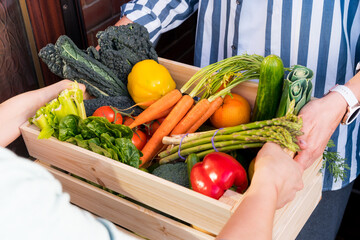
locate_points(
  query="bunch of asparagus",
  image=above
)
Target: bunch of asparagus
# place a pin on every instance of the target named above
(282, 130)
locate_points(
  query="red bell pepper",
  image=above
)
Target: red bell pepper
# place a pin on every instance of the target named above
(217, 173)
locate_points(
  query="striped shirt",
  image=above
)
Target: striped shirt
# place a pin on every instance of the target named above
(322, 35)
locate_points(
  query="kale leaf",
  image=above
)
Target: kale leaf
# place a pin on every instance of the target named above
(121, 47)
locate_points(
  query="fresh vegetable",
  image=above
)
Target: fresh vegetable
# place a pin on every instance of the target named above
(154, 144)
(214, 105)
(157, 109)
(298, 87)
(191, 117)
(139, 139)
(66, 60)
(228, 72)
(190, 161)
(269, 88)
(208, 81)
(149, 80)
(334, 162)
(282, 130)
(216, 173)
(152, 126)
(99, 135)
(128, 120)
(47, 118)
(235, 110)
(110, 113)
(173, 172)
(121, 47)
(125, 103)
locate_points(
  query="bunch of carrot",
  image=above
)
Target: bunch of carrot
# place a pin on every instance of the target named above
(186, 116)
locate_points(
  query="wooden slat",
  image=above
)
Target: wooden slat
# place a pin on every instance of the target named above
(129, 215)
(190, 206)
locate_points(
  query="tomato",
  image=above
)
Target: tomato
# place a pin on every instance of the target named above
(128, 120)
(235, 110)
(152, 126)
(139, 139)
(108, 112)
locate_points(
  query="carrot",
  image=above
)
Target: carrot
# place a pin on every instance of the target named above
(164, 113)
(191, 117)
(153, 111)
(154, 145)
(214, 105)
(141, 104)
(145, 104)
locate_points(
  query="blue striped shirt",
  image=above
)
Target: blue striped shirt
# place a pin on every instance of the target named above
(322, 35)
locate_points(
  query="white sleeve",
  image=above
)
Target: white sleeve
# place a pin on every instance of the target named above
(33, 206)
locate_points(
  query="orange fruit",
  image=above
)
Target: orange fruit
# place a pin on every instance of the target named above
(235, 110)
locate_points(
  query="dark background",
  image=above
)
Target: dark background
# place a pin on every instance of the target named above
(45, 21)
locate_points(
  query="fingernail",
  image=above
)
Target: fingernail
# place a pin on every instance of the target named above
(302, 142)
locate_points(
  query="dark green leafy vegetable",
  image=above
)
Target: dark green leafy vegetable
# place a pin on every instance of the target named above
(103, 72)
(68, 127)
(66, 60)
(121, 47)
(298, 87)
(99, 135)
(128, 151)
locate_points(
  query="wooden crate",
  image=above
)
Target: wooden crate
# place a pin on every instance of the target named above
(182, 203)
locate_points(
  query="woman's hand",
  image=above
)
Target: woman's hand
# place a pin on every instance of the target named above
(67, 84)
(276, 180)
(320, 119)
(276, 171)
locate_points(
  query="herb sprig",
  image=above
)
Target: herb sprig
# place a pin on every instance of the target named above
(335, 163)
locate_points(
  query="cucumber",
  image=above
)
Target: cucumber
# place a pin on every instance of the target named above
(269, 89)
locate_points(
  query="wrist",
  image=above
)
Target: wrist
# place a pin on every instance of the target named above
(352, 103)
(264, 181)
(263, 188)
(335, 104)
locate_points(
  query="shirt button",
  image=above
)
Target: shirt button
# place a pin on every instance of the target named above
(233, 47)
(238, 2)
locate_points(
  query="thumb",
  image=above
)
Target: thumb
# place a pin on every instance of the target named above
(302, 143)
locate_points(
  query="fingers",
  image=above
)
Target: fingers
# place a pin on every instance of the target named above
(69, 85)
(302, 158)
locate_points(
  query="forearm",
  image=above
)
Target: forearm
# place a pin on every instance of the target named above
(354, 85)
(254, 217)
(17, 110)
